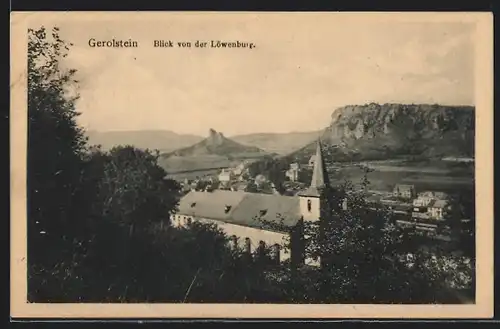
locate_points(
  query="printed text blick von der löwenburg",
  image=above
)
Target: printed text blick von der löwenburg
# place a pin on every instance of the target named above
(131, 43)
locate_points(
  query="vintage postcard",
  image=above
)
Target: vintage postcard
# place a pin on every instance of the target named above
(251, 165)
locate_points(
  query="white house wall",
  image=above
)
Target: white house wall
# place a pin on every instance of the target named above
(254, 234)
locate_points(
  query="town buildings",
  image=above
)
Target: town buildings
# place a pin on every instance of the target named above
(256, 219)
(430, 205)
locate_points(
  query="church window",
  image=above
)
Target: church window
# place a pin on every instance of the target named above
(261, 250)
(193, 204)
(227, 209)
(276, 252)
(263, 212)
(234, 239)
(248, 245)
(309, 205)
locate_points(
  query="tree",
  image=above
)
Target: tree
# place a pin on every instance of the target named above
(251, 187)
(131, 195)
(55, 148)
(134, 190)
(305, 176)
(460, 218)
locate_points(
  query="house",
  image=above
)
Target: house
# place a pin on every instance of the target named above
(293, 172)
(246, 216)
(238, 170)
(433, 210)
(404, 191)
(424, 198)
(225, 176)
(437, 208)
(424, 206)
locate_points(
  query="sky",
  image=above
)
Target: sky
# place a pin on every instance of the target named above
(301, 70)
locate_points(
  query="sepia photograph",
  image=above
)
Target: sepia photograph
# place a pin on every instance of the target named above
(252, 164)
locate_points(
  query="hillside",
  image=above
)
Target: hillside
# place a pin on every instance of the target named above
(280, 143)
(162, 140)
(373, 131)
(217, 144)
(215, 151)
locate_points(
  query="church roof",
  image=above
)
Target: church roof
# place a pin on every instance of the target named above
(320, 178)
(210, 204)
(241, 208)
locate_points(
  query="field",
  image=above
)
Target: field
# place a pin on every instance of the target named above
(192, 167)
(179, 164)
(191, 175)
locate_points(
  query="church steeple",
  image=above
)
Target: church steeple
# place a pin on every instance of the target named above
(320, 175)
(320, 178)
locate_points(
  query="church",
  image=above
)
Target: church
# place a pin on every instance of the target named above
(243, 216)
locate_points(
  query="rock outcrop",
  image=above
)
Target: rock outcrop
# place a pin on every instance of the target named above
(374, 131)
(217, 144)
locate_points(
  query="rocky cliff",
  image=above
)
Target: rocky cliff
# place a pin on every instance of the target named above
(375, 131)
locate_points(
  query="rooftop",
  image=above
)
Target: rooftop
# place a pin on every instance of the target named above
(438, 204)
(241, 208)
(404, 187)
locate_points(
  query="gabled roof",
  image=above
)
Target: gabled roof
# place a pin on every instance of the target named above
(404, 187)
(244, 207)
(268, 207)
(210, 204)
(439, 204)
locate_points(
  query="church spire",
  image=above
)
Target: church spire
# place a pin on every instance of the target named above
(320, 178)
(320, 175)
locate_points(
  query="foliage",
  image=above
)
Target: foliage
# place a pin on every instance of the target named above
(251, 187)
(133, 189)
(272, 168)
(305, 176)
(460, 218)
(56, 145)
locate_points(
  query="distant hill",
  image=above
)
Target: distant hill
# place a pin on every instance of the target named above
(217, 144)
(373, 131)
(280, 143)
(162, 140)
(215, 151)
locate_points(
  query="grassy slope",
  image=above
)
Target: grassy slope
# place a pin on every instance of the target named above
(280, 143)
